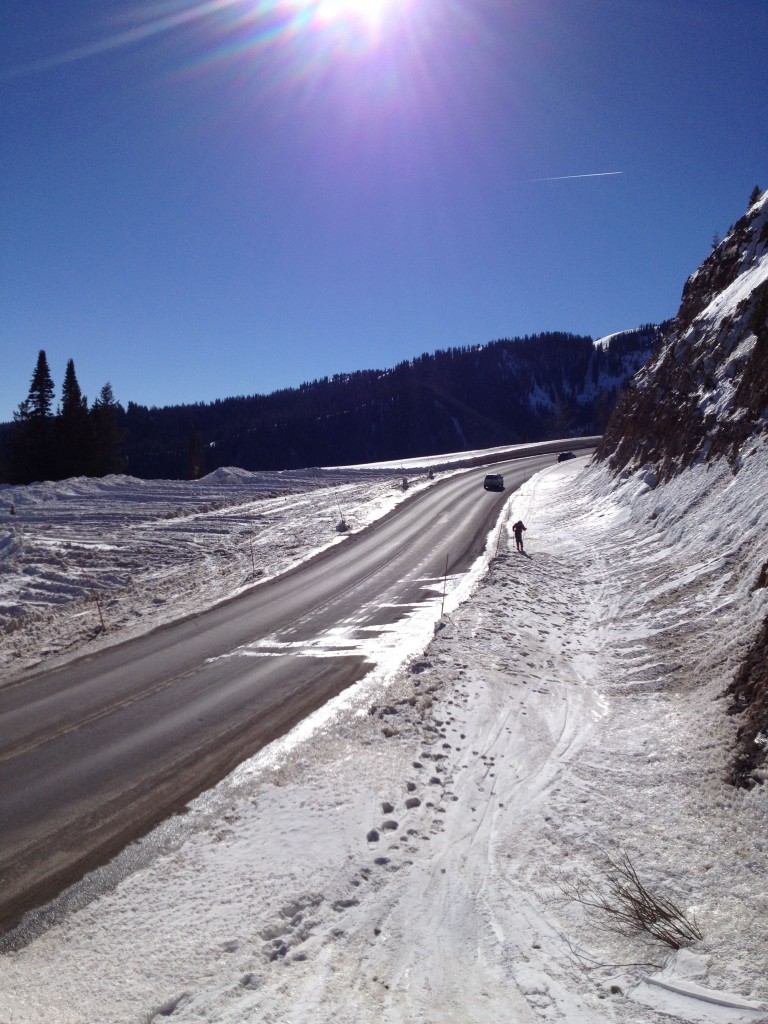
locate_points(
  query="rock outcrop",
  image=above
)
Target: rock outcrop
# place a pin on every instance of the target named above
(705, 391)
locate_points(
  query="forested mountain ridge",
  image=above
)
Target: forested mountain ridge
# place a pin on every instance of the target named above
(505, 392)
(509, 391)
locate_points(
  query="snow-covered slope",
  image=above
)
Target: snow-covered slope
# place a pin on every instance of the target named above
(703, 399)
(618, 357)
(407, 855)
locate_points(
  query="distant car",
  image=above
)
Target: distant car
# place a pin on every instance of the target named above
(564, 456)
(494, 482)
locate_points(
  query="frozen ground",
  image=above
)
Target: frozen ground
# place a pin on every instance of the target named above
(402, 856)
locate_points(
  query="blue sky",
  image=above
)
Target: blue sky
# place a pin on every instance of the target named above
(203, 199)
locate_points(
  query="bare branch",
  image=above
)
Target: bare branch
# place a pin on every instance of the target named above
(630, 907)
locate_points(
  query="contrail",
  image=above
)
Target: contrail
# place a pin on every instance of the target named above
(567, 177)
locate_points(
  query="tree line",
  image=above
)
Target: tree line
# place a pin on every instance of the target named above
(530, 388)
(73, 440)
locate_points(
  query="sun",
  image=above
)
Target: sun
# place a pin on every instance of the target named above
(371, 12)
(368, 17)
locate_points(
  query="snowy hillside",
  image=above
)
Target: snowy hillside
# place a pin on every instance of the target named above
(703, 399)
(411, 853)
(618, 357)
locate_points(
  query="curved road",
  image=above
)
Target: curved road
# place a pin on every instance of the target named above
(97, 752)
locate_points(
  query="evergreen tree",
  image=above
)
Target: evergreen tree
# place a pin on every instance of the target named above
(74, 428)
(755, 195)
(32, 455)
(72, 401)
(106, 456)
(41, 389)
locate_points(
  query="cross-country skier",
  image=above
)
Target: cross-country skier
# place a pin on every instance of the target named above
(518, 529)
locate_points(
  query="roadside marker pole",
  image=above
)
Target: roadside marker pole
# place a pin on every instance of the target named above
(503, 525)
(445, 584)
(342, 527)
(95, 598)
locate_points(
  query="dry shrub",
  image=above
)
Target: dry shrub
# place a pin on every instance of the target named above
(629, 907)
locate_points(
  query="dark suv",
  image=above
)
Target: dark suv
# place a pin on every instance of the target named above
(564, 456)
(494, 482)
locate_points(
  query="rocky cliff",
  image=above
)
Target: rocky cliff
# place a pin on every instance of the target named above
(705, 391)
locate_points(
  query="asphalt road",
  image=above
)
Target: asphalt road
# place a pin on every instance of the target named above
(97, 752)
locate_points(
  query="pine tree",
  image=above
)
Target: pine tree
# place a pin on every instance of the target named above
(74, 428)
(72, 400)
(32, 454)
(106, 456)
(41, 389)
(755, 195)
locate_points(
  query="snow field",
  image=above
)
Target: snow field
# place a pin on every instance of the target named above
(139, 553)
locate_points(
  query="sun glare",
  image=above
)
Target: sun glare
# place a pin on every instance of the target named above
(367, 18)
(370, 12)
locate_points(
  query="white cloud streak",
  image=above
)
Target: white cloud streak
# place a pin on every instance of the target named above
(568, 177)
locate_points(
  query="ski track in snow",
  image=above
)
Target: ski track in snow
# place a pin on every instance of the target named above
(399, 857)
